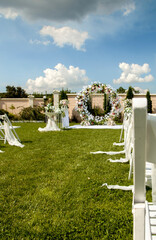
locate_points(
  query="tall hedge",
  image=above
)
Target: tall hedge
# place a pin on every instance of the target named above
(130, 94)
(149, 102)
(107, 104)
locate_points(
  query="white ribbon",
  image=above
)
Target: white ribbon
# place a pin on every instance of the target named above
(9, 136)
(125, 188)
(108, 153)
(121, 160)
(51, 126)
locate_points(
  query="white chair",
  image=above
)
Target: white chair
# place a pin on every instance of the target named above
(2, 134)
(144, 129)
(8, 132)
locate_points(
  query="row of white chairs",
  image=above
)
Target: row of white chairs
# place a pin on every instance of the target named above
(144, 130)
(139, 130)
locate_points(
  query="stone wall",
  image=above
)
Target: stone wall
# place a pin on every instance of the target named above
(19, 103)
(97, 100)
(153, 98)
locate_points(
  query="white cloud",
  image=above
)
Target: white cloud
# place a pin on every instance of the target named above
(39, 42)
(65, 36)
(129, 8)
(143, 91)
(57, 78)
(108, 7)
(64, 10)
(133, 73)
(8, 13)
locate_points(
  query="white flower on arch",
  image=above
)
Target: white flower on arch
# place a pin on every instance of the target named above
(83, 97)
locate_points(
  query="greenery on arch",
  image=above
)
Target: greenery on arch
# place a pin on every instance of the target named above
(84, 97)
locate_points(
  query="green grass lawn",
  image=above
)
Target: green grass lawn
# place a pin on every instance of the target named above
(51, 188)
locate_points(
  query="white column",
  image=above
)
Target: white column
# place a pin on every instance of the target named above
(56, 98)
(31, 100)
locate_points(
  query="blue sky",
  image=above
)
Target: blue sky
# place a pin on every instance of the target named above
(54, 44)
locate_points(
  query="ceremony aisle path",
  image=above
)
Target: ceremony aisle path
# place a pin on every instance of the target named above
(52, 188)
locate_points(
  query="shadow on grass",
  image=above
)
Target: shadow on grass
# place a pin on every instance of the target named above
(2, 147)
(66, 129)
(26, 141)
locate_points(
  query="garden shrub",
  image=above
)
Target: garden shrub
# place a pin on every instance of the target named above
(10, 115)
(97, 111)
(32, 113)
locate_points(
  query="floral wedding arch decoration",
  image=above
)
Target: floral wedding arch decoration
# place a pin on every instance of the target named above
(83, 98)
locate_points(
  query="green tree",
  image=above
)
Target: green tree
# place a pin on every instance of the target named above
(20, 93)
(135, 91)
(129, 94)
(149, 102)
(121, 90)
(63, 94)
(10, 92)
(15, 92)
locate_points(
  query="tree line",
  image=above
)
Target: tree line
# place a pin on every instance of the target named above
(18, 92)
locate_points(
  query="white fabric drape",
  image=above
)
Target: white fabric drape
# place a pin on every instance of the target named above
(65, 120)
(9, 136)
(51, 126)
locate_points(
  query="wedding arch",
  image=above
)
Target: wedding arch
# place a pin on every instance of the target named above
(84, 96)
